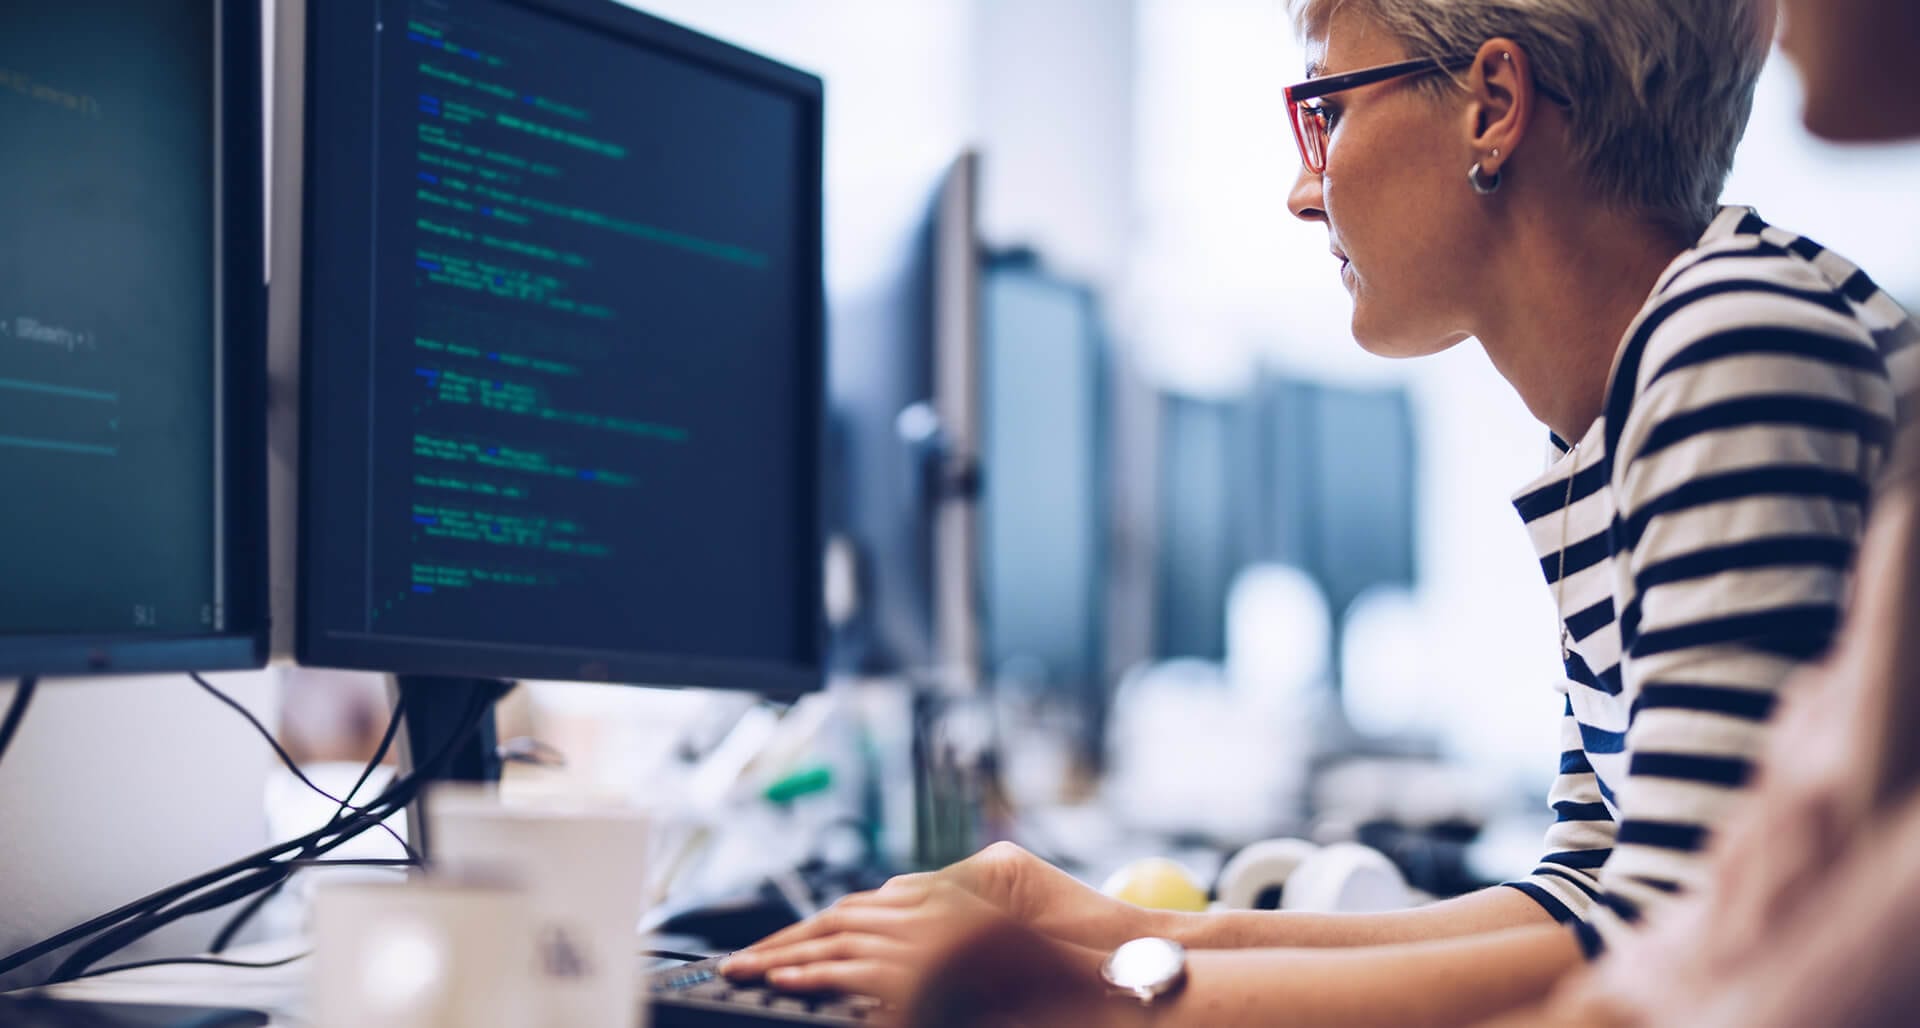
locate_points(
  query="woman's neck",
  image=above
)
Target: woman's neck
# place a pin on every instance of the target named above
(1568, 290)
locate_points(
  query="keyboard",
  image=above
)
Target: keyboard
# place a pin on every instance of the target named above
(697, 996)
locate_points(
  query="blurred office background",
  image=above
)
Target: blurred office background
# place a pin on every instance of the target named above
(1298, 551)
(1233, 571)
(1138, 149)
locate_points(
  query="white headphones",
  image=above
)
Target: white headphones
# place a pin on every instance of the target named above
(1294, 874)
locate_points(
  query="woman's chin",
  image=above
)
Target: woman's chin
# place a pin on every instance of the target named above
(1396, 344)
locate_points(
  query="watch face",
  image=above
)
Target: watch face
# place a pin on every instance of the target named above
(1145, 964)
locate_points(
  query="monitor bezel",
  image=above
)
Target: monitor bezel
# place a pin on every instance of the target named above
(241, 642)
(314, 646)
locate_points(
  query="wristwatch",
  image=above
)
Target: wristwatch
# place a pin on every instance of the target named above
(1146, 970)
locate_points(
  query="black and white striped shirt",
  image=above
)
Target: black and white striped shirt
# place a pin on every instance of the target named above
(1716, 505)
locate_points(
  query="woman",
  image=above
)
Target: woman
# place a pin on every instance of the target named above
(1539, 175)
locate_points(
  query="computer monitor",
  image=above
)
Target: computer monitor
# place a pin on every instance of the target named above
(132, 326)
(1206, 519)
(1338, 486)
(957, 264)
(1364, 463)
(1044, 510)
(903, 388)
(562, 375)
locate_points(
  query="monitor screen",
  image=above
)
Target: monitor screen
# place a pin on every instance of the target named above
(563, 369)
(1364, 461)
(1043, 512)
(130, 336)
(1339, 484)
(1205, 520)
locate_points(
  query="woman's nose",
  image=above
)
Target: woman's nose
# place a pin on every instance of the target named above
(1305, 200)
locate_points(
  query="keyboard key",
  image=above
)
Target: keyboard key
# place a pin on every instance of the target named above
(696, 996)
(712, 988)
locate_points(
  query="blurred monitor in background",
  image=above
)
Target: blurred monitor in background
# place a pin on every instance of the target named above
(904, 401)
(1207, 520)
(1045, 507)
(1338, 488)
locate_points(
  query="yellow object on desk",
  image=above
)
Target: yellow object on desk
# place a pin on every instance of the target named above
(1157, 884)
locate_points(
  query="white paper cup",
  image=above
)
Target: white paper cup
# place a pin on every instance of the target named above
(584, 871)
(430, 954)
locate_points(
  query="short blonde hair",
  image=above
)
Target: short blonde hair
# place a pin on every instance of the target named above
(1661, 89)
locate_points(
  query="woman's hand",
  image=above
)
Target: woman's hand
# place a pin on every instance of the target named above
(939, 957)
(1044, 898)
(879, 944)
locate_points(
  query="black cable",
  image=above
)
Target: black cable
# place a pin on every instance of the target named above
(379, 756)
(257, 878)
(287, 759)
(133, 930)
(118, 938)
(395, 798)
(674, 954)
(17, 709)
(225, 936)
(388, 864)
(178, 902)
(213, 961)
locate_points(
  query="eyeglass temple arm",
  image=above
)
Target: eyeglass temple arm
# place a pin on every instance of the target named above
(1313, 89)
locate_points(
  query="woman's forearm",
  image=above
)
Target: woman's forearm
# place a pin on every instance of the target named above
(1489, 910)
(1448, 982)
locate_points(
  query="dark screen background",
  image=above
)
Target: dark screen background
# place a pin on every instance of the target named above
(107, 455)
(569, 417)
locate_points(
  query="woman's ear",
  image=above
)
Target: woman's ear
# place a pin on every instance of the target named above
(1500, 105)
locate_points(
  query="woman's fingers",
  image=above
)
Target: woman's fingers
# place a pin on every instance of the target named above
(902, 891)
(825, 922)
(898, 882)
(884, 919)
(842, 946)
(884, 980)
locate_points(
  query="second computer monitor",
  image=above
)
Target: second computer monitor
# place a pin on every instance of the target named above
(562, 378)
(132, 524)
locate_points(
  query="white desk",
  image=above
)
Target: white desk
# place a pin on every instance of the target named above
(281, 992)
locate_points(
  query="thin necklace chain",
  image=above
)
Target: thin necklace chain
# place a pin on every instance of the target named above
(1560, 579)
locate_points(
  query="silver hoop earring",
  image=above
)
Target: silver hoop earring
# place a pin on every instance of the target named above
(1482, 183)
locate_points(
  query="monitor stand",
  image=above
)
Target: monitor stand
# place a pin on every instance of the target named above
(436, 713)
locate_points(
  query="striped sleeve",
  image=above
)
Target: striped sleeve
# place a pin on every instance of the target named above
(1760, 413)
(1566, 882)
